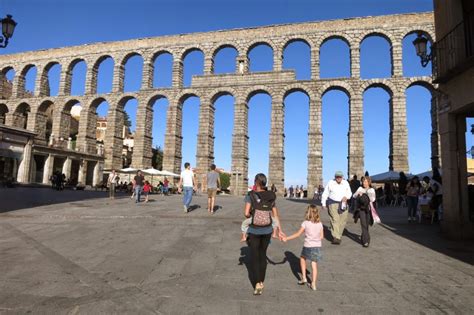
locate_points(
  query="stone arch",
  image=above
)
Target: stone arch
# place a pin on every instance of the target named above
(68, 104)
(3, 113)
(156, 75)
(21, 88)
(427, 33)
(421, 82)
(298, 38)
(69, 74)
(222, 46)
(184, 96)
(123, 100)
(218, 49)
(6, 90)
(21, 115)
(338, 86)
(388, 37)
(298, 88)
(256, 43)
(386, 85)
(342, 37)
(183, 72)
(160, 52)
(95, 71)
(186, 51)
(45, 80)
(44, 120)
(256, 90)
(215, 94)
(151, 100)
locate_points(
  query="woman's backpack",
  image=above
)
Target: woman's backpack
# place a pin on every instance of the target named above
(262, 205)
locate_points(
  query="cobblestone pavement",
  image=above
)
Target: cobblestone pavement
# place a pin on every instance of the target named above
(77, 252)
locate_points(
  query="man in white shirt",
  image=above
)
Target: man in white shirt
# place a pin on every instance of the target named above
(187, 181)
(334, 198)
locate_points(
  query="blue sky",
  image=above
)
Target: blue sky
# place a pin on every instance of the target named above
(55, 23)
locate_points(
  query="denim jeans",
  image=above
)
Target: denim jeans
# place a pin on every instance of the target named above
(187, 196)
(138, 192)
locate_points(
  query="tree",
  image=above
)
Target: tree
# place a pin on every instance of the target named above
(225, 180)
(157, 158)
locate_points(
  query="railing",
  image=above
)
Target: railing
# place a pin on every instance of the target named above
(454, 52)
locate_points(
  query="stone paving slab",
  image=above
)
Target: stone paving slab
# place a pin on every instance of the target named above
(81, 253)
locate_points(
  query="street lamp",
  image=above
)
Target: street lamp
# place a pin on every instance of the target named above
(8, 27)
(420, 44)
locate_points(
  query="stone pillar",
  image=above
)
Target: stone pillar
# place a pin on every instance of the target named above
(177, 79)
(18, 86)
(435, 141)
(67, 167)
(37, 123)
(148, 71)
(98, 174)
(143, 141)
(65, 82)
(48, 169)
(61, 124)
(24, 170)
(355, 60)
(118, 79)
(242, 64)
(42, 82)
(91, 79)
(455, 224)
(278, 59)
(398, 134)
(173, 139)
(81, 177)
(397, 65)
(356, 137)
(240, 157)
(315, 146)
(208, 64)
(86, 137)
(113, 138)
(315, 72)
(276, 167)
(205, 141)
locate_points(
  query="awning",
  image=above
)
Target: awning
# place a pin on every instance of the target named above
(8, 153)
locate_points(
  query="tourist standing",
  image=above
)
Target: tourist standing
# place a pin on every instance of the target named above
(188, 184)
(334, 198)
(260, 206)
(364, 196)
(213, 184)
(112, 182)
(138, 180)
(290, 190)
(413, 192)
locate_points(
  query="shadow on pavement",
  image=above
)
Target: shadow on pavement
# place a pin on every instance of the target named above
(244, 259)
(26, 197)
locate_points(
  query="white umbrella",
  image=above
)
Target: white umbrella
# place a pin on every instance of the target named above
(128, 170)
(428, 173)
(167, 173)
(152, 171)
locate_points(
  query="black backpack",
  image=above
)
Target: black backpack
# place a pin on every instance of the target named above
(262, 205)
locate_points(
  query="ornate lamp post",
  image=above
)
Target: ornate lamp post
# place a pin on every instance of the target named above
(420, 44)
(8, 27)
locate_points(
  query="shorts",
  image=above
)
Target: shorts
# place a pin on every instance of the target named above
(312, 253)
(145, 193)
(211, 192)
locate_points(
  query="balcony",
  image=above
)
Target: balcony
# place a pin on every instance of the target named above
(454, 53)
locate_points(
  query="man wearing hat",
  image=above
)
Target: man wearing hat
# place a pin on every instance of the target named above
(334, 198)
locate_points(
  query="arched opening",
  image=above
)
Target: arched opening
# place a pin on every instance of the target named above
(78, 80)
(6, 89)
(52, 77)
(190, 128)
(163, 70)
(193, 63)
(223, 128)
(296, 137)
(160, 110)
(375, 57)
(297, 56)
(418, 111)
(411, 62)
(377, 103)
(3, 113)
(335, 58)
(128, 130)
(133, 73)
(75, 111)
(260, 57)
(225, 59)
(21, 115)
(29, 75)
(44, 121)
(259, 125)
(105, 75)
(335, 127)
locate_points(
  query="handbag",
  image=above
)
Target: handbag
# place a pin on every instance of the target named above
(375, 215)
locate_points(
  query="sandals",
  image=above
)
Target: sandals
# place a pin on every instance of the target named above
(258, 289)
(302, 282)
(312, 286)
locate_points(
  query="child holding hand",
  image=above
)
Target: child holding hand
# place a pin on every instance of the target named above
(314, 233)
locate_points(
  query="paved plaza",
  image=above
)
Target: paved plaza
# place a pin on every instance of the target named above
(77, 252)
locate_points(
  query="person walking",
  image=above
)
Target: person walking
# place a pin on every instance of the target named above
(139, 180)
(363, 197)
(213, 184)
(260, 207)
(188, 184)
(413, 192)
(334, 199)
(313, 234)
(112, 182)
